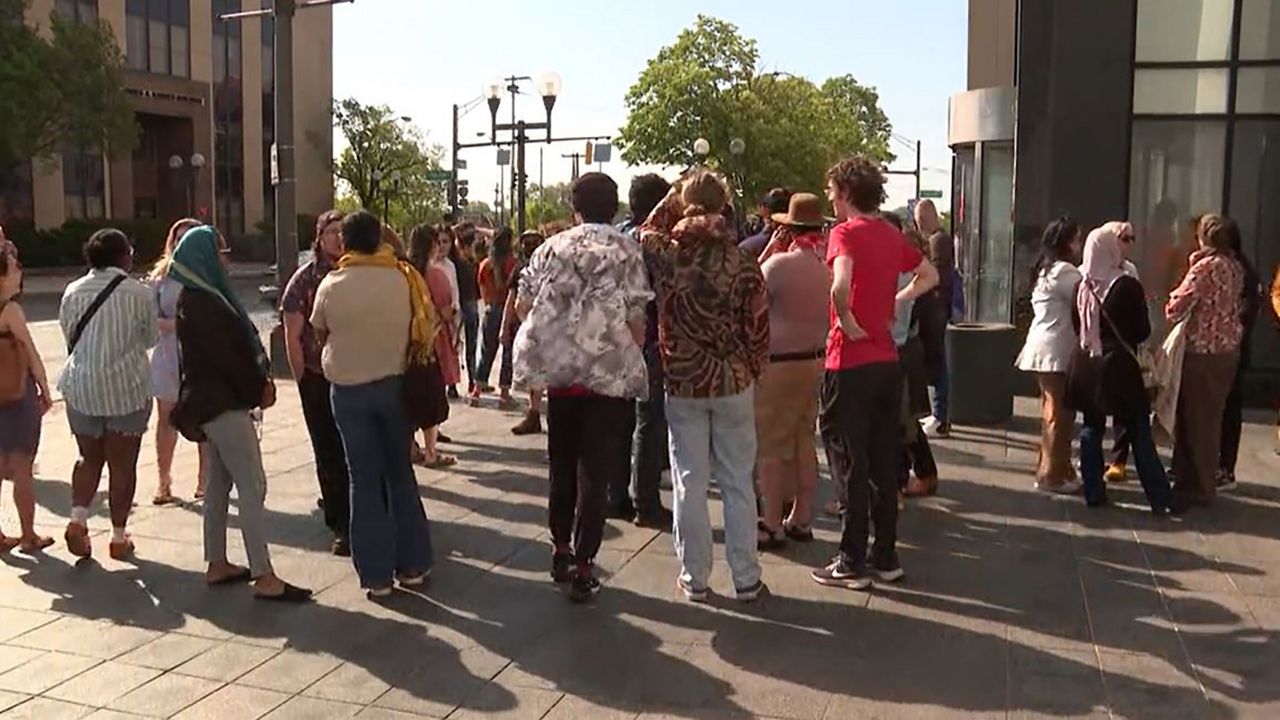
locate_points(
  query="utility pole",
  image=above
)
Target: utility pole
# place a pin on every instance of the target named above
(576, 172)
(453, 173)
(286, 185)
(917, 168)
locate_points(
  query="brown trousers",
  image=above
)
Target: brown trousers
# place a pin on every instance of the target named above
(1057, 430)
(1206, 382)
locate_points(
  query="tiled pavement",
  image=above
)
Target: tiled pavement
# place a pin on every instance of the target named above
(1016, 605)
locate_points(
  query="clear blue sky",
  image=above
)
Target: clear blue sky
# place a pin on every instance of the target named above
(421, 56)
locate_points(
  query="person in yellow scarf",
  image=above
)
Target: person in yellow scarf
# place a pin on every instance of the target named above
(377, 330)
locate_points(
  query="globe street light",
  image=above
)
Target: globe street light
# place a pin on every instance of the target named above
(701, 148)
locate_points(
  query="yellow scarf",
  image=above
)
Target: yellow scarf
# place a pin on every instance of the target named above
(423, 326)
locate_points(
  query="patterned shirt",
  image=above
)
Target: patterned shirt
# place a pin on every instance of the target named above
(713, 309)
(1210, 294)
(583, 289)
(108, 373)
(300, 297)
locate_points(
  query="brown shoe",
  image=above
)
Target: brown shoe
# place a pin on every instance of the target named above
(121, 550)
(530, 425)
(921, 487)
(77, 537)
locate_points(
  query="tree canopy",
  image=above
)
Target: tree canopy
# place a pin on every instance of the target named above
(62, 89)
(707, 85)
(380, 147)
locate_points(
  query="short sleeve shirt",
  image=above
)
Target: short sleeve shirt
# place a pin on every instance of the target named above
(880, 254)
(300, 297)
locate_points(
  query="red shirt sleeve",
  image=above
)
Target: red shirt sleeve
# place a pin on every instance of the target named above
(911, 256)
(841, 242)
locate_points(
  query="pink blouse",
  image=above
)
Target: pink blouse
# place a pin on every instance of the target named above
(446, 340)
(1209, 295)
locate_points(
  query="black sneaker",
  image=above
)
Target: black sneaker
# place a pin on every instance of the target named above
(561, 567)
(751, 593)
(584, 585)
(341, 546)
(621, 511)
(656, 519)
(839, 574)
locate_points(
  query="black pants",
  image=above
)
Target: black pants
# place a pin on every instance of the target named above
(1232, 424)
(918, 457)
(585, 437)
(860, 422)
(326, 443)
(620, 481)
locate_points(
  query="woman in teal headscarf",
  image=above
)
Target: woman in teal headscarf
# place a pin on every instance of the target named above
(223, 379)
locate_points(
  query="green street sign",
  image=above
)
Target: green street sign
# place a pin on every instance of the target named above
(439, 175)
(935, 194)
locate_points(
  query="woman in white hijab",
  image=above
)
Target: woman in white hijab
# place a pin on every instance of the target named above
(1106, 377)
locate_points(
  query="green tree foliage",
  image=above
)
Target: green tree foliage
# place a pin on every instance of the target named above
(380, 146)
(66, 88)
(548, 204)
(707, 84)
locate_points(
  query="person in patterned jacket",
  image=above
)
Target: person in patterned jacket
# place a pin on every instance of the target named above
(713, 320)
(582, 299)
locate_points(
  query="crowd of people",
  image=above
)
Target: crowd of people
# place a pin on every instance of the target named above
(673, 341)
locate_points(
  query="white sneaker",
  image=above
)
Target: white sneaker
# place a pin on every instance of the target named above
(930, 425)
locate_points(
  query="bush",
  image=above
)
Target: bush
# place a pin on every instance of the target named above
(62, 247)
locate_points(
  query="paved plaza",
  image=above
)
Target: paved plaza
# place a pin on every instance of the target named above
(1015, 605)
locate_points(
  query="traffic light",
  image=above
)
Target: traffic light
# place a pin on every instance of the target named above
(589, 153)
(463, 189)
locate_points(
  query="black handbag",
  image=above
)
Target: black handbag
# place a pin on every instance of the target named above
(425, 402)
(1084, 380)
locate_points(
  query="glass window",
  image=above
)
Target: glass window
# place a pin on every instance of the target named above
(135, 26)
(1260, 30)
(1175, 175)
(158, 37)
(233, 57)
(17, 198)
(1258, 90)
(1181, 91)
(83, 183)
(995, 272)
(1179, 30)
(178, 52)
(84, 11)
(1255, 183)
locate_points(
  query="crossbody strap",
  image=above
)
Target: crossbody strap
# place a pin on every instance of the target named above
(93, 310)
(1102, 310)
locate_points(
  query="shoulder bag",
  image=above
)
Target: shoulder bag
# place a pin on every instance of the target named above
(94, 307)
(1140, 355)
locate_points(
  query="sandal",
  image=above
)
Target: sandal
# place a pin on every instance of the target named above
(417, 455)
(7, 543)
(290, 594)
(442, 461)
(242, 575)
(34, 544)
(768, 540)
(799, 533)
(164, 498)
(77, 537)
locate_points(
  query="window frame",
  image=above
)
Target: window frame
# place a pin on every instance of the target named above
(148, 16)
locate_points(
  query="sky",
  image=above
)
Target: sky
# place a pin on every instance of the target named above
(421, 56)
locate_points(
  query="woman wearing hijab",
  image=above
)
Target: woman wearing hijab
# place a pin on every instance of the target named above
(1104, 377)
(224, 379)
(1208, 299)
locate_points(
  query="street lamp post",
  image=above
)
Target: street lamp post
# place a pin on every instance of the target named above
(548, 86)
(737, 150)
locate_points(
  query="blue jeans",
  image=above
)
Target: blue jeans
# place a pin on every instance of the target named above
(649, 449)
(941, 391)
(1151, 473)
(470, 334)
(389, 530)
(490, 343)
(714, 437)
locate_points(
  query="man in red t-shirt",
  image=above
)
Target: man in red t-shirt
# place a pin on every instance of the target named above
(861, 401)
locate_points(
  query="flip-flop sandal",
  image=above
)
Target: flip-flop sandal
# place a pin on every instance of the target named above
(8, 543)
(441, 461)
(290, 594)
(164, 499)
(243, 576)
(799, 533)
(768, 540)
(34, 545)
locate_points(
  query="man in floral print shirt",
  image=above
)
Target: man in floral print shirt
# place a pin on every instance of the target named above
(582, 298)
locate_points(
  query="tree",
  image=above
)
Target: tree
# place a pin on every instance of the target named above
(548, 204)
(379, 148)
(707, 85)
(66, 89)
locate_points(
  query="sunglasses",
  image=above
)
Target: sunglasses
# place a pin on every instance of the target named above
(1126, 238)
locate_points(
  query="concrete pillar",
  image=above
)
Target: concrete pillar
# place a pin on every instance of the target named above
(251, 95)
(313, 108)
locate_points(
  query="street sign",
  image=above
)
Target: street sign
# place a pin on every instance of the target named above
(439, 175)
(934, 194)
(275, 166)
(504, 156)
(604, 151)
(462, 164)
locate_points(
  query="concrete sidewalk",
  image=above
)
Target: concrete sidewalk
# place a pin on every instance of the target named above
(52, 281)
(1015, 605)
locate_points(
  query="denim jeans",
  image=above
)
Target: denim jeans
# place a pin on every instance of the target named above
(649, 448)
(470, 334)
(490, 343)
(714, 437)
(389, 530)
(941, 395)
(1151, 473)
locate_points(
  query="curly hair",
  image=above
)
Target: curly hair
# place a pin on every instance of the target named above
(704, 194)
(859, 180)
